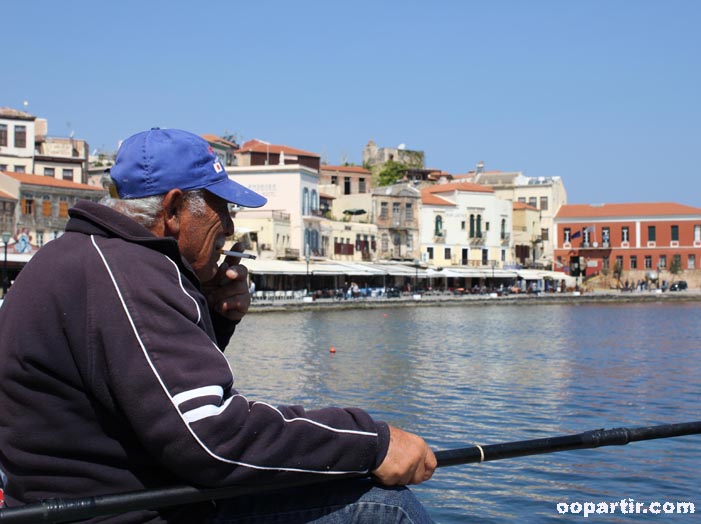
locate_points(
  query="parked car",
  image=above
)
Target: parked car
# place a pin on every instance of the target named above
(679, 285)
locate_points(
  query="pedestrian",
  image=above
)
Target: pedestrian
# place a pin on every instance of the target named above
(113, 378)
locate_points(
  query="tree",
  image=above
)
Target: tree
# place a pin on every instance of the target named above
(618, 271)
(391, 173)
(676, 266)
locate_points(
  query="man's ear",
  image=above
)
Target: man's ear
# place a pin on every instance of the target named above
(173, 207)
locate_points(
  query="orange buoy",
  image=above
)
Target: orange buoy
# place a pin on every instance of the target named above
(332, 350)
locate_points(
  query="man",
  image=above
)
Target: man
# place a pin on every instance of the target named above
(113, 377)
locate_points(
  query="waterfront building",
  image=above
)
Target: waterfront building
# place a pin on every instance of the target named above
(292, 189)
(348, 190)
(465, 224)
(25, 147)
(224, 147)
(34, 209)
(261, 153)
(546, 194)
(395, 210)
(634, 241)
(526, 233)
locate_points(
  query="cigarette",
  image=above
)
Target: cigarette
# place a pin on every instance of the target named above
(237, 254)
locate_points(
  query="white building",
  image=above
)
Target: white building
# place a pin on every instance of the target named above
(546, 194)
(25, 147)
(291, 189)
(465, 224)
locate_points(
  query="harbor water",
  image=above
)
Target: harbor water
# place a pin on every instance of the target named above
(486, 374)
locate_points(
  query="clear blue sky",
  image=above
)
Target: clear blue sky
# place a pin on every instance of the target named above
(604, 93)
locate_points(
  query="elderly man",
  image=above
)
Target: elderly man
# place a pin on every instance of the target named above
(113, 377)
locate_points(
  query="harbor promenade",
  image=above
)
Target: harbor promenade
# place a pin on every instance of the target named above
(448, 299)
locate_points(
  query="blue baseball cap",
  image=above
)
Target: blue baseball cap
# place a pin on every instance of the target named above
(154, 162)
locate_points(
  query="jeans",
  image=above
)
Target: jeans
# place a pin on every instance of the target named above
(356, 501)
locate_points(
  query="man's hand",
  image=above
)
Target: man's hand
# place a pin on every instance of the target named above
(409, 460)
(227, 293)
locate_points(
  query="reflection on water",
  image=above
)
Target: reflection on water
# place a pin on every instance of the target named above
(496, 373)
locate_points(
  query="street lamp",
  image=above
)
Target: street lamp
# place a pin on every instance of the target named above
(6, 239)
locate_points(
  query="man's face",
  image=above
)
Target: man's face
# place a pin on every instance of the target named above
(203, 235)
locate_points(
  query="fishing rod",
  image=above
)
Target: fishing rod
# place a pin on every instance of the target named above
(62, 510)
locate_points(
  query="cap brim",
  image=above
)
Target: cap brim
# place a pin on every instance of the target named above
(236, 194)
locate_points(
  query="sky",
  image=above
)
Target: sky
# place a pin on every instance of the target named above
(603, 93)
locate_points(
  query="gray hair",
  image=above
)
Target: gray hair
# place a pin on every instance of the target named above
(146, 210)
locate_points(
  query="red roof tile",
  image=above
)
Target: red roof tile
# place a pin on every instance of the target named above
(458, 186)
(626, 210)
(6, 196)
(523, 205)
(220, 140)
(434, 200)
(256, 146)
(41, 180)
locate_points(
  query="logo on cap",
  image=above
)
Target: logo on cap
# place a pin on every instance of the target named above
(217, 167)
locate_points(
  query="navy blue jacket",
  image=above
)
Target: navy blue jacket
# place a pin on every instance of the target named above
(113, 379)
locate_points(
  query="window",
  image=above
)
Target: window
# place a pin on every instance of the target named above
(46, 207)
(633, 262)
(3, 167)
(40, 238)
(3, 135)
(663, 261)
(49, 171)
(429, 252)
(438, 229)
(19, 169)
(305, 201)
(27, 206)
(346, 185)
(648, 262)
(533, 201)
(479, 226)
(334, 180)
(383, 210)
(315, 200)
(544, 234)
(605, 235)
(522, 200)
(447, 254)
(675, 233)
(385, 242)
(361, 185)
(502, 233)
(20, 136)
(619, 263)
(566, 234)
(651, 233)
(462, 225)
(472, 226)
(68, 174)
(691, 262)
(697, 233)
(409, 241)
(606, 263)
(543, 203)
(625, 234)
(409, 211)
(395, 210)
(63, 208)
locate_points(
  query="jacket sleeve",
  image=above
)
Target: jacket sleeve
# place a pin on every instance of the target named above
(175, 388)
